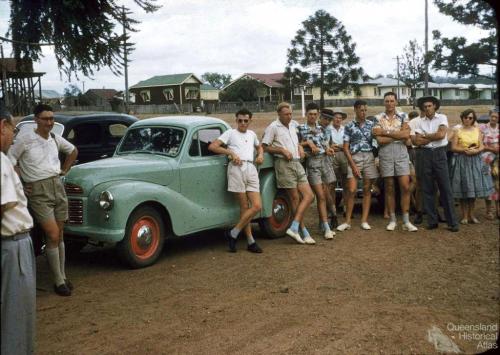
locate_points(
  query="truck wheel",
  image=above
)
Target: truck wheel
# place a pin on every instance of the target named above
(276, 225)
(144, 238)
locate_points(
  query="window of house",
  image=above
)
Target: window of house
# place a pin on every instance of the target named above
(169, 94)
(201, 140)
(146, 96)
(375, 92)
(457, 92)
(192, 92)
(403, 91)
(298, 91)
(435, 92)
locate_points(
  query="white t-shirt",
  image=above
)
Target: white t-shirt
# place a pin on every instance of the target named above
(242, 144)
(38, 157)
(277, 135)
(17, 218)
(430, 126)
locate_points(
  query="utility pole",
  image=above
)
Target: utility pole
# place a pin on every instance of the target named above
(4, 79)
(125, 60)
(397, 75)
(426, 74)
(291, 91)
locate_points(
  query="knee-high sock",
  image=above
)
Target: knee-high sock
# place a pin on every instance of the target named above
(62, 259)
(55, 265)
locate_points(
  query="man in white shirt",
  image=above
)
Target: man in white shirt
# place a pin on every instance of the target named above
(18, 258)
(37, 153)
(430, 135)
(281, 140)
(243, 179)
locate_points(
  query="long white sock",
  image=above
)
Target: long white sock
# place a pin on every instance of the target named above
(62, 258)
(250, 239)
(55, 265)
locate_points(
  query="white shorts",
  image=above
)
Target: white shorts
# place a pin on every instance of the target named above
(242, 178)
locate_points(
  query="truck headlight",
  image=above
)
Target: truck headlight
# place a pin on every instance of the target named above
(106, 200)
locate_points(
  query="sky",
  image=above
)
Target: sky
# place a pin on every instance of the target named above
(240, 36)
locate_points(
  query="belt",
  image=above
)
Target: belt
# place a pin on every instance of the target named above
(247, 161)
(49, 178)
(435, 148)
(18, 236)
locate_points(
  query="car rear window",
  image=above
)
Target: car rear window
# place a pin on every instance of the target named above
(157, 140)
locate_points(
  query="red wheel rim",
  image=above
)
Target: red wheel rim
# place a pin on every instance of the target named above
(280, 217)
(145, 237)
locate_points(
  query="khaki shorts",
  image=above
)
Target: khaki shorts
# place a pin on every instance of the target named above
(289, 174)
(394, 160)
(366, 165)
(319, 170)
(242, 178)
(48, 200)
(340, 165)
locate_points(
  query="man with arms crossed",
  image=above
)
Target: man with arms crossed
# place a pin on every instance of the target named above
(313, 139)
(391, 132)
(280, 139)
(431, 136)
(18, 257)
(37, 152)
(358, 150)
(242, 176)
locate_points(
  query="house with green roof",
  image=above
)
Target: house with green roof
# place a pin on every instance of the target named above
(168, 89)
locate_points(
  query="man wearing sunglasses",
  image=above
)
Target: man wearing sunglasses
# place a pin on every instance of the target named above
(243, 178)
(430, 135)
(281, 140)
(37, 153)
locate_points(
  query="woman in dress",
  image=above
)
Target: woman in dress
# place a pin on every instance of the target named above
(490, 158)
(470, 176)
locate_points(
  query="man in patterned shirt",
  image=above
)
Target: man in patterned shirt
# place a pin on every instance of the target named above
(313, 139)
(391, 132)
(358, 150)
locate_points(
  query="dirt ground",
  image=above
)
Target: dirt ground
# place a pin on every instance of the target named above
(365, 292)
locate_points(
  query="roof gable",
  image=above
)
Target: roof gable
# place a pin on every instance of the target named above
(165, 80)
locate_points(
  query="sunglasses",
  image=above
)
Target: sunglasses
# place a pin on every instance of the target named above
(239, 120)
(51, 118)
(468, 117)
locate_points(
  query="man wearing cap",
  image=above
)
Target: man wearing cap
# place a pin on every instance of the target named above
(280, 139)
(313, 138)
(239, 145)
(391, 132)
(358, 148)
(431, 136)
(18, 257)
(339, 160)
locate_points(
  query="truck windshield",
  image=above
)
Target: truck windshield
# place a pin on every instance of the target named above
(156, 140)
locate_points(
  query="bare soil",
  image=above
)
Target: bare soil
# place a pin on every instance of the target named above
(365, 292)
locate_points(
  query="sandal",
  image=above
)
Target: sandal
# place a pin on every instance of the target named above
(464, 221)
(475, 220)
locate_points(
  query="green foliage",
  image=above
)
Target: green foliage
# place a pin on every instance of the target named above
(412, 66)
(323, 55)
(455, 55)
(72, 90)
(216, 80)
(473, 92)
(241, 90)
(86, 35)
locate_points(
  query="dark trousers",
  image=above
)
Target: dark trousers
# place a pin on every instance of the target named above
(433, 169)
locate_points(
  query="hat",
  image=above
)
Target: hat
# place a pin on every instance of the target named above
(339, 110)
(327, 113)
(432, 99)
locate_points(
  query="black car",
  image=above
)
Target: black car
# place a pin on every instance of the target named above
(95, 135)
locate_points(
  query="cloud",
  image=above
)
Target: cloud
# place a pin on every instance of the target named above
(237, 36)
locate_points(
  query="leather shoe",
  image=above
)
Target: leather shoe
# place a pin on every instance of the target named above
(232, 242)
(441, 219)
(418, 218)
(453, 228)
(69, 284)
(334, 222)
(62, 290)
(254, 248)
(431, 226)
